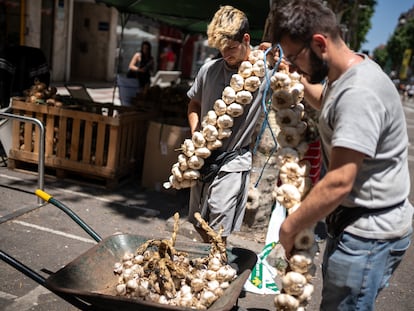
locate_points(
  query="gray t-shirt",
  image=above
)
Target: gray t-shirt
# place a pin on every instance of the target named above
(362, 111)
(208, 86)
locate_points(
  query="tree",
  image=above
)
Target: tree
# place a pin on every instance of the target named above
(358, 20)
(380, 55)
(401, 39)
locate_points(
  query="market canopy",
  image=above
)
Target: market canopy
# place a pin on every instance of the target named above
(192, 15)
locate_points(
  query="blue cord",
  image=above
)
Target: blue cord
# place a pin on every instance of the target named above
(266, 111)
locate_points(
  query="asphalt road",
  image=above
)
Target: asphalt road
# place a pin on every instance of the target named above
(45, 239)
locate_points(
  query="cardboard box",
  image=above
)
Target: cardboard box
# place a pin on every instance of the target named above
(161, 153)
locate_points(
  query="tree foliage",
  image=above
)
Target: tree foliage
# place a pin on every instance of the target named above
(401, 39)
(355, 19)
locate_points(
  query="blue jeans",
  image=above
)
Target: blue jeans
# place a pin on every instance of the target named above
(356, 269)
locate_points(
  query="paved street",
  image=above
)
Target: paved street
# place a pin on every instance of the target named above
(45, 239)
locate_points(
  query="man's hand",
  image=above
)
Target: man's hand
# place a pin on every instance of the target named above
(286, 239)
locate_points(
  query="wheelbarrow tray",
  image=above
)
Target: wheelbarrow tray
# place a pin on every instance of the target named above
(90, 276)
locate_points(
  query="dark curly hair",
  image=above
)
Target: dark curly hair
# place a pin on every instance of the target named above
(301, 19)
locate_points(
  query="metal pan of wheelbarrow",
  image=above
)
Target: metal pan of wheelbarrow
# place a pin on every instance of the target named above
(88, 282)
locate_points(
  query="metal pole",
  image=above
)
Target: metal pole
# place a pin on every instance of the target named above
(41, 164)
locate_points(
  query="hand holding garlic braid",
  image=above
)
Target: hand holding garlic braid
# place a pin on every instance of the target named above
(217, 123)
(294, 185)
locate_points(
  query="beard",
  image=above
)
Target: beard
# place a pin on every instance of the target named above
(320, 68)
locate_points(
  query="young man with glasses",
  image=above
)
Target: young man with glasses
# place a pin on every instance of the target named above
(222, 200)
(363, 195)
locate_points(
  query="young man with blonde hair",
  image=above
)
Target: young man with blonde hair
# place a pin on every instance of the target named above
(222, 200)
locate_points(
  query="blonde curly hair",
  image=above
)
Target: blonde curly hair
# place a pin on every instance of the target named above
(227, 24)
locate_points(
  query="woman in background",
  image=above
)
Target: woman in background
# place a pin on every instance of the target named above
(142, 65)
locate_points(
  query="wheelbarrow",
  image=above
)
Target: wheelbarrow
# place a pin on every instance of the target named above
(88, 282)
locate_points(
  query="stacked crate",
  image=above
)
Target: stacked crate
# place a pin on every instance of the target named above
(109, 146)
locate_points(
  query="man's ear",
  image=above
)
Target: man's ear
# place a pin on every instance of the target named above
(319, 42)
(246, 38)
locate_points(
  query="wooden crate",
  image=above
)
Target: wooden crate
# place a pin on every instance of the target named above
(103, 146)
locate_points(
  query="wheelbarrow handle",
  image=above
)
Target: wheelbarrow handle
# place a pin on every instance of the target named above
(48, 198)
(13, 262)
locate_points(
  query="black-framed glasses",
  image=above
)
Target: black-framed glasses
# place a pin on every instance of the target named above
(292, 59)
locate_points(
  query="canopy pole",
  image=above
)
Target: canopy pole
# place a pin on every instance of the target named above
(124, 21)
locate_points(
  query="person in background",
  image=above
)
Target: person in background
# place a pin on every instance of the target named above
(168, 58)
(141, 66)
(222, 200)
(363, 194)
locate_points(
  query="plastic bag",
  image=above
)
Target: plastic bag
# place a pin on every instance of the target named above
(263, 275)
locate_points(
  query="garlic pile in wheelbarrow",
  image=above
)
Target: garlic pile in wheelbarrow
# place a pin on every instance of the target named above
(159, 273)
(217, 123)
(294, 184)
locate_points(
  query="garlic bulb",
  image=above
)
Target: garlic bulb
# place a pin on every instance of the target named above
(252, 83)
(118, 267)
(216, 144)
(282, 99)
(189, 182)
(127, 256)
(132, 284)
(191, 174)
(279, 81)
(253, 199)
(237, 82)
(214, 264)
(302, 148)
(121, 289)
(244, 97)
(293, 283)
(228, 95)
(195, 162)
(207, 297)
(255, 56)
(235, 110)
(176, 172)
(245, 69)
(210, 118)
(287, 154)
(226, 273)
(202, 152)
(224, 121)
(300, 262)
(198, 139)
(259, 68)
(304, 239)
(224, 133)
(307, 293)
(297, 92)
(210, 132)
(188, 147)
(287, 117)
(288, 195)
(220, 107)
(286, 302)
(182, 161)
(197, 284)
(289, 137)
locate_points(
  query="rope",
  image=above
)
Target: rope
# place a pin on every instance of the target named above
(266, 111)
